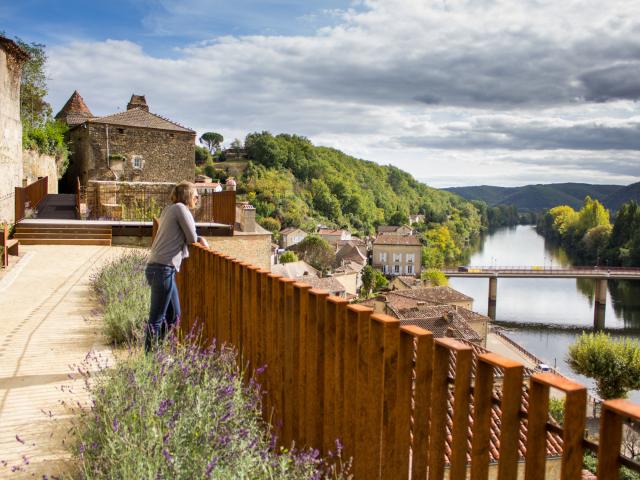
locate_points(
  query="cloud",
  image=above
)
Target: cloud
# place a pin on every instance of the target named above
(394, 79)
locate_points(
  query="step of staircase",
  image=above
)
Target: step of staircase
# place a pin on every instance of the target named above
(62, 234)
(65, 241)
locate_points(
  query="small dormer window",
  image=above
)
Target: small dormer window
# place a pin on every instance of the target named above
(121, 130)
(136, 161)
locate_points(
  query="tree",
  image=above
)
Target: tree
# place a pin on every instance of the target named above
(398, 218)
(212, 140)
(34, 110)
(203, 156)
(613, 363)
(288, 257)
(372, 280)
(435, 277)
(271, 224)
(316, 251)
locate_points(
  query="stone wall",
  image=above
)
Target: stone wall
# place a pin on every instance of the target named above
(10, 134)
(165, 156)
(253, 248)
(37, 165)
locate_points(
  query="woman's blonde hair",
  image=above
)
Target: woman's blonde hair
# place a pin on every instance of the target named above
(183, 193)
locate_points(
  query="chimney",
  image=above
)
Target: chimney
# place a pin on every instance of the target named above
(138, 101)
(248, 218)
(231, 184)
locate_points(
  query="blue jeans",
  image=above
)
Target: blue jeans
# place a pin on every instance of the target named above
(164, 311)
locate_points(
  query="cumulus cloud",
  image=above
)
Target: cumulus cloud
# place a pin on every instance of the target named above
(396, 79)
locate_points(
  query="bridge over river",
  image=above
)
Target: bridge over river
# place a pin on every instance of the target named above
(599, 274)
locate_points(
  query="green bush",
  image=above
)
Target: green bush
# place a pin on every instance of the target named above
(124, 295)
(435, 277)
(48, 139)
(613, 363)
(182, 413)
(288, 257)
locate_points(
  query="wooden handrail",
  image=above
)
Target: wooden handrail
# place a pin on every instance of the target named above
(31, 194)
(399, 401)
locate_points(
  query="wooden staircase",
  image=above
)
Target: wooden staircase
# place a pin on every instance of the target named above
(62, 234)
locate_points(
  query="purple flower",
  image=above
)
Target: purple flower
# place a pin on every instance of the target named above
(19, 439)
(260, 370)
(339, 447)
(167, 455)
(25, 460)
(210, 466)
(164, 405)
(114, 425)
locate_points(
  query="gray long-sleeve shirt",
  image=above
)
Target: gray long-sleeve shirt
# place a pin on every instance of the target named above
(177, 230)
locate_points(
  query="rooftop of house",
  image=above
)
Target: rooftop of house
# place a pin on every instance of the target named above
(294, 269)
(385, 229)
(441, 320)
(408, 282)
(330, 284)
(288, 230)
(13, 48)
(393, 239)
(329, 231)
(354, 241)
(76, 112)
(351, 253)
(414, 297)
(554, 441)
(349, 267)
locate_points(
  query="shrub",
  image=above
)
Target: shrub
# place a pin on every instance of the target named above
(181, 413)
(435, 277)
(124, 295)
(614, 364)
(288, 257)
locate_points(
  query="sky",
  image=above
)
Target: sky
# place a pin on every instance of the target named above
(456, 92)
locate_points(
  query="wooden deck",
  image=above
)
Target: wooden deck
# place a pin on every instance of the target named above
(45, 326)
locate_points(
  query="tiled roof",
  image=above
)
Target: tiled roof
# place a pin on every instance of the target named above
(436, 295)
(387, 228)
(294, 269)
(554, 441)
(392, 239)
(328, 231)
(356, 242)
(408, 281)
(349, 267)
(442, 320)
(351, 253)
(329, 284)
(288, 230)
(75, 111)
(137, 117)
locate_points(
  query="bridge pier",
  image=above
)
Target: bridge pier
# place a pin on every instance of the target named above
(600, 304)
(493, 296)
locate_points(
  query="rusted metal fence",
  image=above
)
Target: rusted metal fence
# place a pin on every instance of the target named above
(403, 404)
(30, 196)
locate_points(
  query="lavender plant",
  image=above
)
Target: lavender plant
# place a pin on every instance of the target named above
(182, 413)
(124, 295)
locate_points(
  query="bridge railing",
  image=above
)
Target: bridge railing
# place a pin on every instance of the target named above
(542, 268)
(402, 403)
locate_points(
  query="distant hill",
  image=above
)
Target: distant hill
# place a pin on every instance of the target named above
(541, 197)
(622, 195)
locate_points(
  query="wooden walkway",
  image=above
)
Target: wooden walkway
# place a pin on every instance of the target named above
(46, 325)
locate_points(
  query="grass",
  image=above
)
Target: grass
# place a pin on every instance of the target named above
(182, 412)
(124, 295)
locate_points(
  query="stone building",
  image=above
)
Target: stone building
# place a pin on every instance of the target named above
(397, 254)
(134, 145)
(12, 57)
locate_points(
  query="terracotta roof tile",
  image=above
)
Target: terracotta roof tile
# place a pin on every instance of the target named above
(391, 239)
(434, 295)
(136, 117)
(329, 284)
(75, 111)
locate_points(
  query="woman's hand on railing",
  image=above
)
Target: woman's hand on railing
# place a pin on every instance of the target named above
(203, 241)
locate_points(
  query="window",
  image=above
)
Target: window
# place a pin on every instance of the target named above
(411, 257)
(397, 257)
(383, 257)
(136, 161)
(396, 269)
(121, 130)
(410, 269)
(385, 269)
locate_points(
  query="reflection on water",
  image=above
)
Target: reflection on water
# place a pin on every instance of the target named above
(548, 301)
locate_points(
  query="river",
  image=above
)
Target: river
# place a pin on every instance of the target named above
(545, 315)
